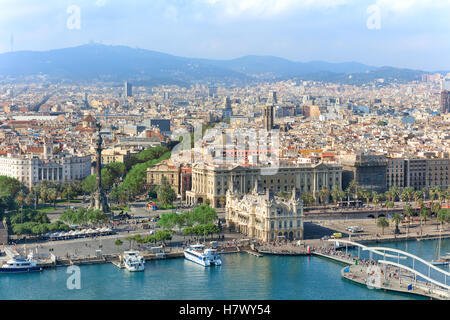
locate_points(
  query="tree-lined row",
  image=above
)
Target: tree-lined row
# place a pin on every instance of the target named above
(83, 216)
(29, 221)
(354, 192)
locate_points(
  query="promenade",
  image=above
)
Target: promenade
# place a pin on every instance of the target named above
(388, 278)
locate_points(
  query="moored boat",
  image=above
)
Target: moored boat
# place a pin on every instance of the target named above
(205, 257)
(133, 261)
(19, 265)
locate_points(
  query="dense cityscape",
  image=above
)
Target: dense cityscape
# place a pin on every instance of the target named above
(117, 161)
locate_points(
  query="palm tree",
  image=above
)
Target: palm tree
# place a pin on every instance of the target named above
(324, 194)
(443, 195)
(396, 219)
(424, 214)
(52, 196)
(409, 213)
(366, 194)
(404, 195)
(352, 190)
(443, 216)
(435, 207)
(335, 192)
(308, 199)
(409, 191)
(35, 193)
(377, 198)
(382, 223)
(389, 205)
(418, 195)
(434, 192)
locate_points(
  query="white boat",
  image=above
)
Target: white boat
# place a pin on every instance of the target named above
(133, 261)
(441, 261)
(20, 265)
(205, 257)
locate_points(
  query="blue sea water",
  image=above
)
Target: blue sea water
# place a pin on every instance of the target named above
(241, 276)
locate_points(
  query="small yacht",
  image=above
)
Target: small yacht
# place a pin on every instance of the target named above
(18, 265)
(442, 261)
(205, 257)
(133, 261)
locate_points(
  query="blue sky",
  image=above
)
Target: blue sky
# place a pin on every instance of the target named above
(409, 33)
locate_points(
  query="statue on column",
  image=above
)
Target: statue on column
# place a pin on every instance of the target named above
(99, 200)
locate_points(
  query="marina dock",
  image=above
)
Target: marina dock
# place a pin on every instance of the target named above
(254, 253)
(335, 258)
(404, 284)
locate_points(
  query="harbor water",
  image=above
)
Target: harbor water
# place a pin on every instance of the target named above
(242, 276)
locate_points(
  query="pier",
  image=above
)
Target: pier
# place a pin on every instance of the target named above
(389, 275)
(404, 283)
(254, 253)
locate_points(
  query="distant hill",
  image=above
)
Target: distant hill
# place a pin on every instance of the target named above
(96, 62)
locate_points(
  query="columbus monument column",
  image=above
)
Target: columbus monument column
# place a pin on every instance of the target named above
(99, 200)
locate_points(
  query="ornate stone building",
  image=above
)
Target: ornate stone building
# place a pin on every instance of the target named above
(178, 177)
(263, 216)
(212, 182)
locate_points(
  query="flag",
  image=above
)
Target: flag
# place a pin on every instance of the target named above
(347, 269)
(410, 287)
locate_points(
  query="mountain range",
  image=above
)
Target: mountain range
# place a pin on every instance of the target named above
(98, 62)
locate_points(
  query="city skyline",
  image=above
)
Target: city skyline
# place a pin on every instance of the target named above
(405, 34)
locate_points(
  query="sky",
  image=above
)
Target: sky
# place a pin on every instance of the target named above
(401, 33)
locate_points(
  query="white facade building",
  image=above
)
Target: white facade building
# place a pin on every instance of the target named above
(31, 171)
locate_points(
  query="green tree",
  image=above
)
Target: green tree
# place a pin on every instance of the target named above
(335, 194)
(89, 184)
(435, 207)
(166, 195)
(424, 214)
(408, 211)
(168, 220)
(396, 219)
(443, 216)
(308, 199)
(53, 195)
(9, 187)
(389, 205)
(324, 195)
(382, 223)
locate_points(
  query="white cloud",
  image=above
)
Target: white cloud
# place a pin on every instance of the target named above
(101, 3)
(268, 8)
(406, 6)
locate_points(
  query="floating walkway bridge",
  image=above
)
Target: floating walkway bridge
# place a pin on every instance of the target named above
(405, 272)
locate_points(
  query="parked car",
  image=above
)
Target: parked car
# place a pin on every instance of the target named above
(336, 235)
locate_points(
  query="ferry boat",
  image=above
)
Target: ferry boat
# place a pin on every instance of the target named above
(205, 257)
(20, 265)
(133, 261)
